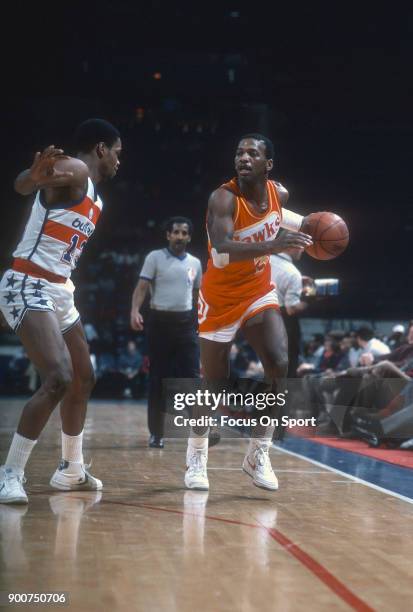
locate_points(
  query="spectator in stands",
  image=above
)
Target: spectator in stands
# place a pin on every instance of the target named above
(312, 351)
(355, 350)
(346, 344)
(393, 424)
(370, 387)
(19, 377)
(369, 344)
(129, 365)
(394, 363)
(327, 360)
(397, 337)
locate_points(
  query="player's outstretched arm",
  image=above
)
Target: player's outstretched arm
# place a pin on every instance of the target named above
(225, 250)
(51, 169)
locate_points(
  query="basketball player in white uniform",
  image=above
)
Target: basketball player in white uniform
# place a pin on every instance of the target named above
(36, 298)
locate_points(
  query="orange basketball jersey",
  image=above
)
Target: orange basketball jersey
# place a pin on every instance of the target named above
(227, 292)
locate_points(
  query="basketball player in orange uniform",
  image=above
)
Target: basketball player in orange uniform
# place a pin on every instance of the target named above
(244, 216)
(36, 299)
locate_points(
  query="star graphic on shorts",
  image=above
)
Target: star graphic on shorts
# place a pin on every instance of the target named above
(37, 294)
(15, 312)
(10, 297)
(43, 302)
(11, 280)
(38, 286)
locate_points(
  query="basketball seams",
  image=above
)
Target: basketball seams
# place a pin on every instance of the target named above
(318, 223)
(314, 246)
(339, 221)
(331, 224)
(332, 254)
(346, 237)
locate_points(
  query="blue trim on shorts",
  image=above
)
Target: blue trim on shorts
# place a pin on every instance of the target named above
(71, 326)
(25, 305)
(22, 290)
(26, 310)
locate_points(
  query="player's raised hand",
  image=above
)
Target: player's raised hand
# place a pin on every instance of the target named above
(136, 320)
(43, 172)
(291, 240)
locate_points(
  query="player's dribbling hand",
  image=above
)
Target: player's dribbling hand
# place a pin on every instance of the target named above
(291, 240)
(43, 172)
(136, 320)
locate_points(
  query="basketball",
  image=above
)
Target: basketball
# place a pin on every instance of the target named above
(329, 233)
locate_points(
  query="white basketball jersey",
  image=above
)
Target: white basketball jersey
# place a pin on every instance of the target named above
(54, 237)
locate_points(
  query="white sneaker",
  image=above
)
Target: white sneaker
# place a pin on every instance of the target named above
(196, 474)
(11, 486)
(74, 477)
(257, 464)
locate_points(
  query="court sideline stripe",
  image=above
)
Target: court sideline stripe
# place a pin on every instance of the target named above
(316, 568)
(345, 474)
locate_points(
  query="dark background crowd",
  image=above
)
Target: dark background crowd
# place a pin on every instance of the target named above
(332, 91)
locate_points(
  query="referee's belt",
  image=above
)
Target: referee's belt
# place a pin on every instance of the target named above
(170, 314)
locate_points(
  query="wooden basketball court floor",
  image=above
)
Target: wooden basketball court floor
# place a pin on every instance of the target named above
(323, 541)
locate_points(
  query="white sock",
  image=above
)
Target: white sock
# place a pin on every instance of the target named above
(198, 442)
(258, 442)
(72, 448)
(19, 452)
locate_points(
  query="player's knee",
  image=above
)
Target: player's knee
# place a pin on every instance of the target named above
(89, 379)
(85, 381)
(276, 361)
(281, 366)
(59, 379)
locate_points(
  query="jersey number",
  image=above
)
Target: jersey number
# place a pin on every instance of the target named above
(67, 256)
(260, 263)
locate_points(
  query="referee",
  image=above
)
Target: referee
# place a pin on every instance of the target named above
(173, 277)
(289, 285)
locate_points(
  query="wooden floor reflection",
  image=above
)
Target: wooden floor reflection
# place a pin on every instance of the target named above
(321, 542)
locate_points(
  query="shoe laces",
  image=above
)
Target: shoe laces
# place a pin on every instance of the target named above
(14, 476)
(87, 466)
(197, 461)
(262, 457)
